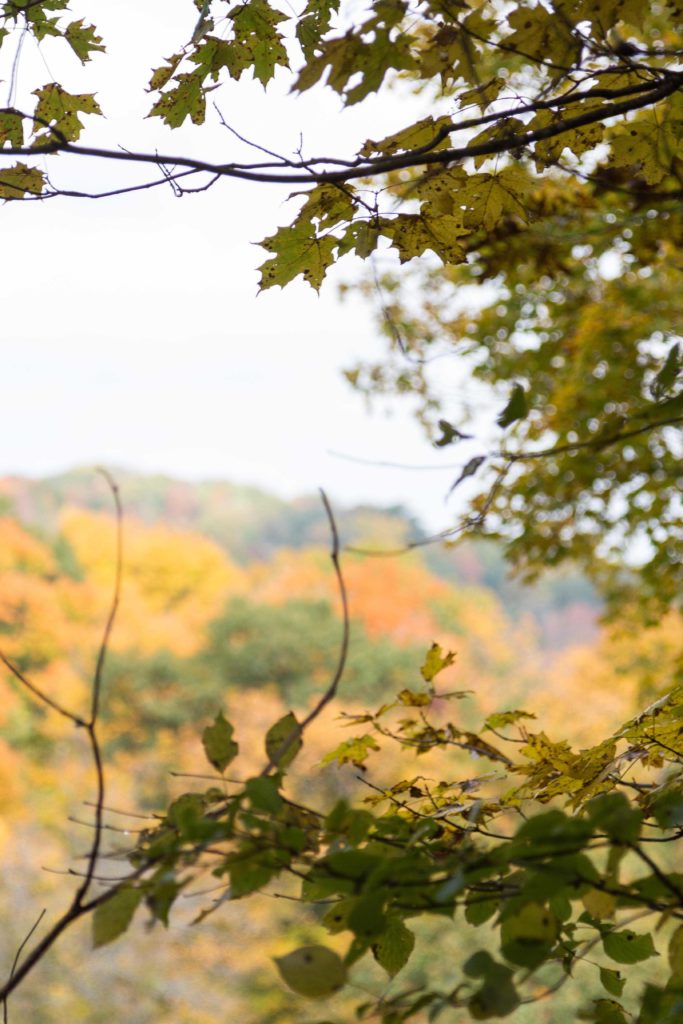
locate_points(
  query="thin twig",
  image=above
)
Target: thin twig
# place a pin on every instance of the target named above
(39, 695)
(127, 814)
(102, 653)
(22, 944)
(331, 690)
(384, 464)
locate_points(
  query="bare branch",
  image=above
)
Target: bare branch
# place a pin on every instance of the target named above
(321, 169)
(79, 904)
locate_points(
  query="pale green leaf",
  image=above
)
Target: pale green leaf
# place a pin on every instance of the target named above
(393, 947)
(113, 917)
(219, 746)
(283, 740)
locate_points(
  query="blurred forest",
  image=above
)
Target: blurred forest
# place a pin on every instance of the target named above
(229, 602)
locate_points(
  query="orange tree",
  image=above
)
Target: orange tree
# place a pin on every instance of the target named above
(548, 162)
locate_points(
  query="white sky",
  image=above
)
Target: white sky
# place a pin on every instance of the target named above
(131, 330)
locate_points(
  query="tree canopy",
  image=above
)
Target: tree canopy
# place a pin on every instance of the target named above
(547, 166)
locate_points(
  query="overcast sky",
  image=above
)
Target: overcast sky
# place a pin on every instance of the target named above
(132, 332)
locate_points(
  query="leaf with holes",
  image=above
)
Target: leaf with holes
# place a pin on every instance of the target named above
(298, 250)
(83, 40)
(20, 180)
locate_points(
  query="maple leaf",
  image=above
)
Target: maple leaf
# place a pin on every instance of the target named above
(161, 76)
(11, 129)
(298, 250)
(413, 234)
(328, 204)
(313, 23)
(488, 197)
(416, 135)
(186, 99)
(17, 181)
(254, 24)
(83, 40)
(212, 55)
(541, 34)
(646, 146)
(60, 110)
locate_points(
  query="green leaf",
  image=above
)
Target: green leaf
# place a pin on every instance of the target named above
(667, 809)
(367, 918)
(19, 180)
(415, 233)
(516, 409)
(661, 1006)
(668, 374)
(641, 146)
(11, 129)
(313, 23)
(336, 919)
(60, 110)
(283, 741)
(113, 917)
(315, 972)
(353, 751)
(612, 813)
(351, 58)
(354, 864)
(413, 699)
(676, 954)
(497, 996)
(479, 909)
(160, 898)
(436, 661)
(362, 238)
(612, 981)
(161, 76)
(599, 904)
(528, 934)
(185, 812)
(416, 135)
(83, 40)
(628, 947)
(502, 718)
(542, 35)
(186, 99)
(213, 54)
(394, 946)
(298, 250)
(254, 23)
(352, 823)
(605, 1011)
(263, 794)
(479, 964)
(219, 746)
(328, 205)
(247, 876)
(449, 434)
(490, 197)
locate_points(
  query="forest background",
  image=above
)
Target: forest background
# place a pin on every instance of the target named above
(546, 183)
(229, 602)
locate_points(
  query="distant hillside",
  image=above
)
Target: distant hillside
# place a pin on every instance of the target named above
(252, 524)
(248, 522)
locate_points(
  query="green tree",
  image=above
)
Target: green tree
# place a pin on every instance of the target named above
(548, 164)
(294, 647)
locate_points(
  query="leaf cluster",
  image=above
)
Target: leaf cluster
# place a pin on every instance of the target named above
(560, 884)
